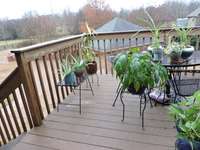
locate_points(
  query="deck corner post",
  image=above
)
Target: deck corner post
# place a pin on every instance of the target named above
(26, 77)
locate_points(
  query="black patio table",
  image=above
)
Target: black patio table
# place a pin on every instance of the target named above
(191, 65)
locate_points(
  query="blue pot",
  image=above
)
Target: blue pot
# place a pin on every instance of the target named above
(184, 144)
(196, 145)
(70, 79)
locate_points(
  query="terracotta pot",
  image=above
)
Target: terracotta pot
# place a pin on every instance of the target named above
(91, 67)
(176, 59)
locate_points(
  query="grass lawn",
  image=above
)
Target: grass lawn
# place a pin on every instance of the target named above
(10, 43)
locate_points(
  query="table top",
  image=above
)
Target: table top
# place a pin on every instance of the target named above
(194, 60)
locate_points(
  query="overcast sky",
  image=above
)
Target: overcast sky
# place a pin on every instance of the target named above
(16, 8)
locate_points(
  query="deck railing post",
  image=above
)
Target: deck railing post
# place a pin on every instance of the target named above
(32, 99)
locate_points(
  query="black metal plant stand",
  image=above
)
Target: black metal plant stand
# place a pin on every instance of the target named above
(80, 89)
(120, 92)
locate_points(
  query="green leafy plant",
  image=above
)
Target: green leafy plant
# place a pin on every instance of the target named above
(138, 69)
(173, 49)
(183, 38)
(78, 64)
(88, 53)
(187, 116)
(66, 68)
(155, 30)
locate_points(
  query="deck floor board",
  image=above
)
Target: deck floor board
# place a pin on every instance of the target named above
(99, 127)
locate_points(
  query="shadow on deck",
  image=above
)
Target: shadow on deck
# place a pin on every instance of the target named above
(100, 127)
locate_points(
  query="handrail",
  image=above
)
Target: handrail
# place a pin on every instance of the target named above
(46, 44)
(10, 84)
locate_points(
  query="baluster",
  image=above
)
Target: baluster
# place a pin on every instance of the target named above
(25, 106)
(42, 85)
(4, 125)
(8, 119)
(2, 136)
(19, 111)
(105, 56)
(49, 81)
(54, 77)
(14, 115)
(35, 86)
(100, 66)
(59, 74)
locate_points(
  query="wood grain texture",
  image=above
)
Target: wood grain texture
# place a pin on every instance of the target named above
(100, 126)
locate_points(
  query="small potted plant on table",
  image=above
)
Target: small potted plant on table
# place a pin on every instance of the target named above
(155, 48)
(186, 115)
(184, 41)
(180, 50)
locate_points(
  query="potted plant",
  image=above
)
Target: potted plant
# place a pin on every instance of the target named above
(186, 115)
(137, 71)
(78, 66)
(180, 49)
(174, 51)
(184, 41)
(155, 48)
(68, 73)
(88, 53)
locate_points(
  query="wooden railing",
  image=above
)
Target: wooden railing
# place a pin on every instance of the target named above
(108, 44)
(14, 113)
(30, 93)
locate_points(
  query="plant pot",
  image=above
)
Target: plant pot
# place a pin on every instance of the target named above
(184, 144)
(91, 67)
(79, 73)
(175, 59)
(187, 52)
(70, 79)
(132, 90)
(157, 54)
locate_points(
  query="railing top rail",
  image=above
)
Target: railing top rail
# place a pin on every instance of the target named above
(45, 44)
(140, 31)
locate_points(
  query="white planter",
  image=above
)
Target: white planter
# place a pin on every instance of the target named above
(157, 54)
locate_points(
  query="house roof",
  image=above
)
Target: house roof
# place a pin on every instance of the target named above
(195, 13)
(117, 25)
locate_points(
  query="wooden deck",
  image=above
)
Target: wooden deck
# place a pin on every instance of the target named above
(100, 127)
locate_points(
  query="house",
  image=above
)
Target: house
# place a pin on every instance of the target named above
(116, 25)
(194, 18)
